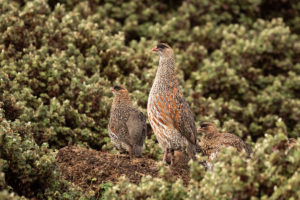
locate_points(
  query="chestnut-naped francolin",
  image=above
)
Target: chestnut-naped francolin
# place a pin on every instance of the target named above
(212, 140)
(169, 114)
(127, 125)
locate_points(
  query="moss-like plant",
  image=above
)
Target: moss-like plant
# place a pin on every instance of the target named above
(237, 62)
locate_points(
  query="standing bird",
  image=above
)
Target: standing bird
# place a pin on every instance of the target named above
(169, 114)
(213, 140)
(127, 125)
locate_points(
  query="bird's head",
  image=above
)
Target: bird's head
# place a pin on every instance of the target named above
(119, 91)
(163, 50)
(208, 127)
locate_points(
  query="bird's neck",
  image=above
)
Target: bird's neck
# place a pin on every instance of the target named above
(122, 100)
(166, 68)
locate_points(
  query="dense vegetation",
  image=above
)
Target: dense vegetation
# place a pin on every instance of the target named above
(238, 65)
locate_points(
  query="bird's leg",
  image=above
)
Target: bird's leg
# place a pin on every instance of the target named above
(172, 157)
(130, 152)
(165, 155)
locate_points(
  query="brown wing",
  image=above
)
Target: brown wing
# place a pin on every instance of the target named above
(182, 116)
(137, 128)
(187, 123)
(229, 139)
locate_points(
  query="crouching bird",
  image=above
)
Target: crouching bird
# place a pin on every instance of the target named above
(169, 114)
(212, 141)
(127, 125)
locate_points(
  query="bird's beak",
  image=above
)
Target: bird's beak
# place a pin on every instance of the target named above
(155, 48)
(112, 89)
(199, 129)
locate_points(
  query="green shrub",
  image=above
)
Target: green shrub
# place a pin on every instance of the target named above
(238, 64)
(149, 188)
(27, 168)
(271, 173)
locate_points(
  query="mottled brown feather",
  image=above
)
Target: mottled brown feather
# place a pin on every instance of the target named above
(212, 140)
(127, 125)
(168, 112)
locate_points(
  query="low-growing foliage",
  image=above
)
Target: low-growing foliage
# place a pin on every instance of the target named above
(238, 64)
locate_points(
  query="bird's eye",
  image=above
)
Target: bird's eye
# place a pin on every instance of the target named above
(117, 88)
(161, 46)
(203, 125)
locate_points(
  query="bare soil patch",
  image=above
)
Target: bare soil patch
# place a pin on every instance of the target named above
(89, 168)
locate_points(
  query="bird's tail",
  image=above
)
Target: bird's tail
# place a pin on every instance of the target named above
(138, 150)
